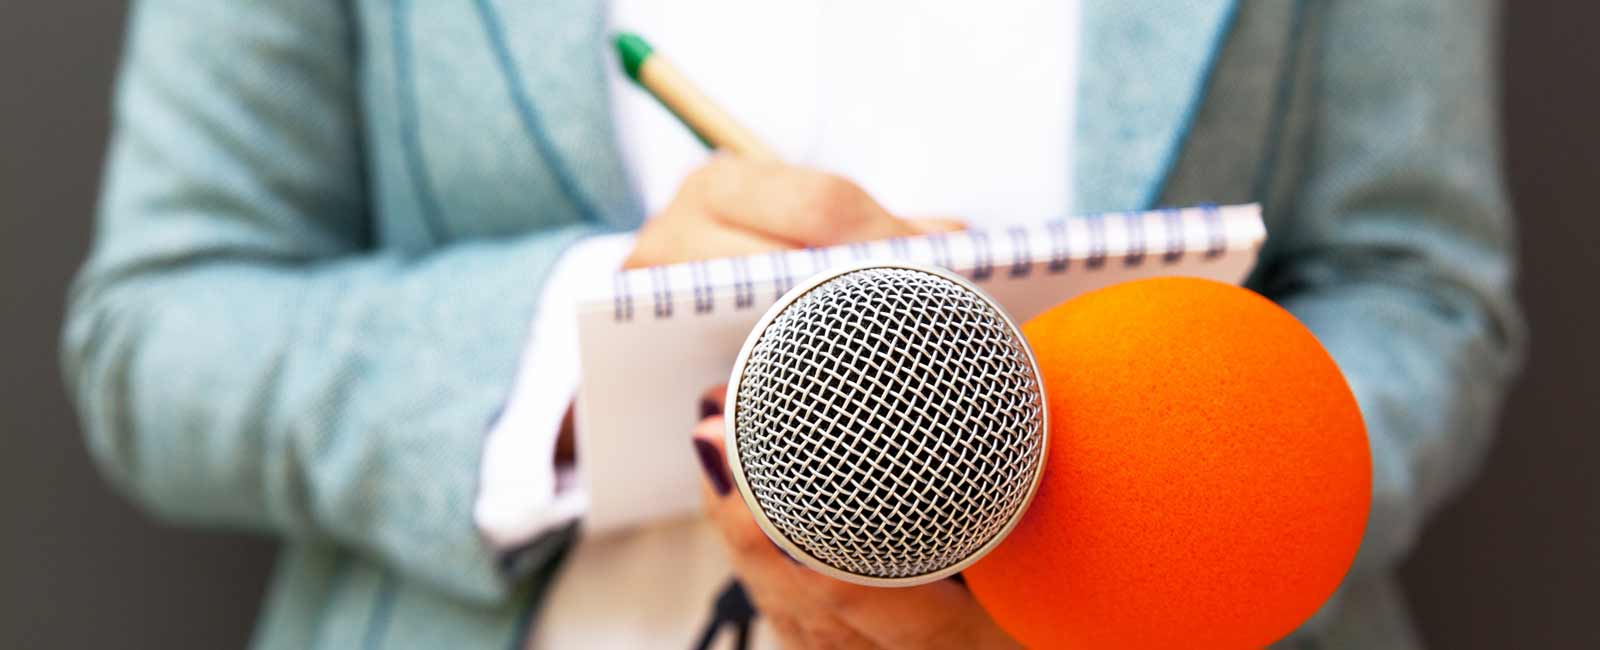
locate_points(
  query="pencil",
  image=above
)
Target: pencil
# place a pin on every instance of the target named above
(704, 118)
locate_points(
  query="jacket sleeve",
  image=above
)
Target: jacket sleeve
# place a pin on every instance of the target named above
(239, 354)
(1396, 248)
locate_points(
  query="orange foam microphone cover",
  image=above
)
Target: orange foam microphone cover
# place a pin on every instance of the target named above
(1207, 480)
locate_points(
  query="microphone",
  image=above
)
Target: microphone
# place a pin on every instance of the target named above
(886, 424)
(1197, 467)
(1208, 479)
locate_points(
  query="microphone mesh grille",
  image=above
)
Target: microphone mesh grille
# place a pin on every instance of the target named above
(889, 422)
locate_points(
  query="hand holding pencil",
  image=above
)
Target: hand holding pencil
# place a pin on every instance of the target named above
(749, 201)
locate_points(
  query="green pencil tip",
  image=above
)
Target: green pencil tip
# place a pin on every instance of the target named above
(633, 51)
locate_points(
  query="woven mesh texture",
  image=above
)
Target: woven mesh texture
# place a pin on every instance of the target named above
(889, 423)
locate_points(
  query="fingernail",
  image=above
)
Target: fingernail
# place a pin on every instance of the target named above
(716, 471)
(709, 408)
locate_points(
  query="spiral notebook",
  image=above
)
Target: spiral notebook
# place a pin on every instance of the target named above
(659, 337)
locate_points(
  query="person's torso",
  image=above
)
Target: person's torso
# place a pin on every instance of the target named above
(489, 119)
(943, 108)
(494, 119)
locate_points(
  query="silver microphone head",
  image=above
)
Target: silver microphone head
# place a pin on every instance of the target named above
(886, 424)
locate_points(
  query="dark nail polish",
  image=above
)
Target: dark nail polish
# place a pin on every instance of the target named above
(716, 470)
(709, 408)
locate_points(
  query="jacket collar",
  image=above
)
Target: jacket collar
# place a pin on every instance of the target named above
(555, 57)
(1142, 73)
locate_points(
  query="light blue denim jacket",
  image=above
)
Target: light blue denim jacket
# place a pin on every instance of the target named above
(325, 224)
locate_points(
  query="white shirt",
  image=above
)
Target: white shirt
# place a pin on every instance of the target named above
(943, 108)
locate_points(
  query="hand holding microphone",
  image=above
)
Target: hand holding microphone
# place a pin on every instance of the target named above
(893, 378)
(806, 609)
(1206, 478)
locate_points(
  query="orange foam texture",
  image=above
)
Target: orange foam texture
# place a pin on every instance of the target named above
(1207, 482)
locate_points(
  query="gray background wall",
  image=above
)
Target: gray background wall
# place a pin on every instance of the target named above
(1512, 564)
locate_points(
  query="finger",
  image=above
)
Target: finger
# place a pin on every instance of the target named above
(764, 588)
(824, 630)
(901, 617)
(830, 613)
(769, 576)
(806, 603)
(723, 506)
(789, 632)
(712, 400)
(716, 240)
(934, 225)
(803, 206)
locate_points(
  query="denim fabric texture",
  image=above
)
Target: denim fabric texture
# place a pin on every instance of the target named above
(325, 226)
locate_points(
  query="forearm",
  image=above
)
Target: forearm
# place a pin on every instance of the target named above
(240, 351)
(1429, 366)
(1395, 245)
(528, 479)
(344, 400)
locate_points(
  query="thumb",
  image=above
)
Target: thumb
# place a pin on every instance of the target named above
(749, 547)
(709, 449)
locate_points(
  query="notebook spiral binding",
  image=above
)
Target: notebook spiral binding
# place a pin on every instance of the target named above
(982, 256)
(1097, 241)
(1093, 240)
(1172, 221)
(1021, 253)
(702, 288)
